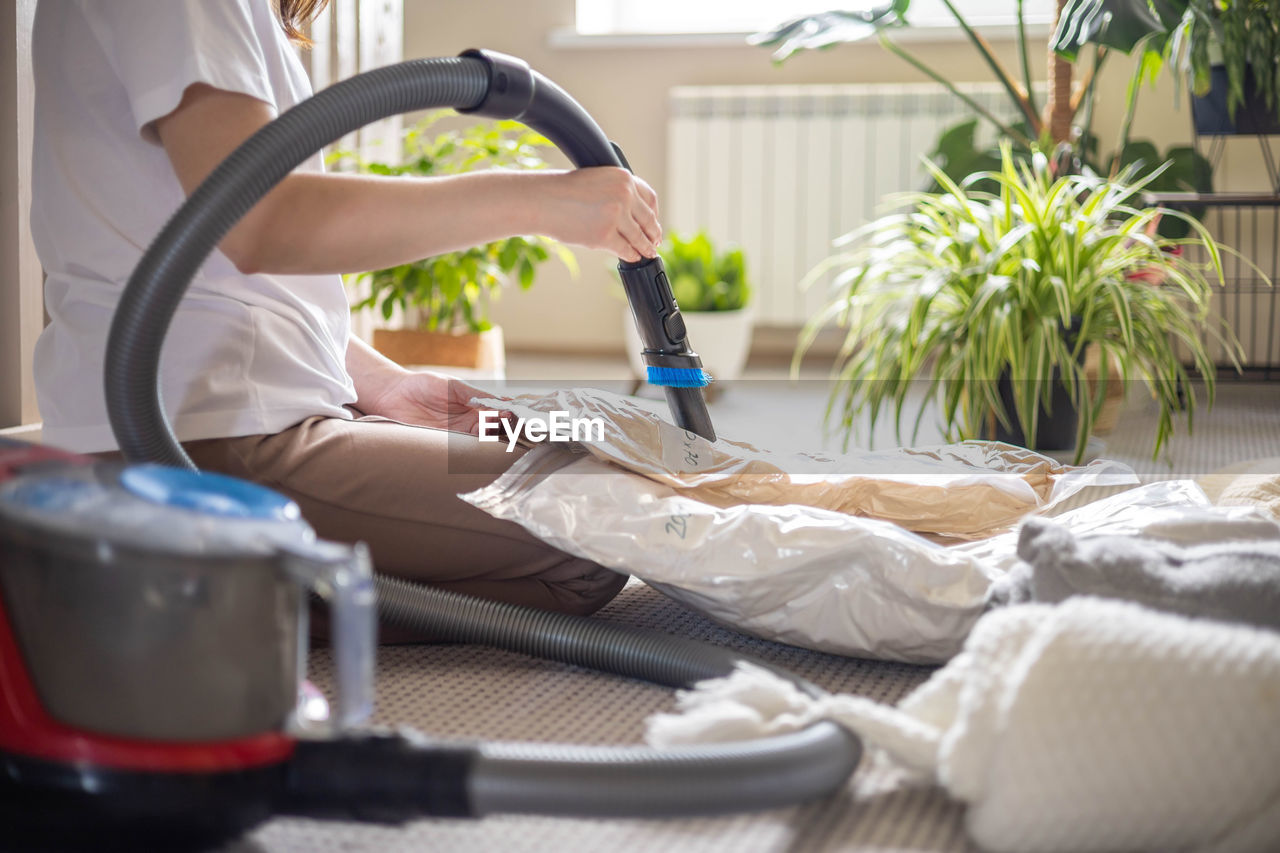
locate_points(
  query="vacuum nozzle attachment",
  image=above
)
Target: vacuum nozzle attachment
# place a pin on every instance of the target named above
(669, 360)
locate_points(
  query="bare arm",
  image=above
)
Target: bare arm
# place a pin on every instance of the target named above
(413, 397)
(329, 223)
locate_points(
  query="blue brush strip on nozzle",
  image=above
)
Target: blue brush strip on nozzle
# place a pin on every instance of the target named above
(679, 377)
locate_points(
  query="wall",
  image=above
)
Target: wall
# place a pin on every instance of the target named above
(21, 305)
(625, 89)
(350, 36)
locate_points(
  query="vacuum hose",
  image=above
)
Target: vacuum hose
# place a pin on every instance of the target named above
(486, 778)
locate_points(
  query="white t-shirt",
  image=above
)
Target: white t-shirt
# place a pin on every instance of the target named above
(246, 354)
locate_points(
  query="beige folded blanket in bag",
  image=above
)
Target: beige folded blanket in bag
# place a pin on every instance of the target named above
(965, 491)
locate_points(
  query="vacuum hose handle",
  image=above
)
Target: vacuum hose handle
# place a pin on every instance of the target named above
(520, 93)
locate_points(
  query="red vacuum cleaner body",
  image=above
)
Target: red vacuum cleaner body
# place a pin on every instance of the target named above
(150, 662)
(29, 732)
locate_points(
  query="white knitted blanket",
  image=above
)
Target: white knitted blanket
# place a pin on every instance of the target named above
(1089, 725)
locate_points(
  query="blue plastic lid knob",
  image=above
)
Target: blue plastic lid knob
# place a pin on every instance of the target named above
(211, 494)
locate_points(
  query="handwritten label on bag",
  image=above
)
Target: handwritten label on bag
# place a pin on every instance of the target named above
(684, 527)
(683, 451)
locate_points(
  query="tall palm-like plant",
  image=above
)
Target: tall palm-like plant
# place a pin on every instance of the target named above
(1052, 124)
(1060, 110)
(1067, 114)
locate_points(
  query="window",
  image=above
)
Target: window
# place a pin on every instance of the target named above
(611, 17)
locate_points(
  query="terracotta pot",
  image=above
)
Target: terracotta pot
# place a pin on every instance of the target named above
(1109, 412)
(418, 347)
(1153, 275)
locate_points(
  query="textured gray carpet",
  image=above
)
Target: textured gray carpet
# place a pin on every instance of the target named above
(463, 691)
(469, 692)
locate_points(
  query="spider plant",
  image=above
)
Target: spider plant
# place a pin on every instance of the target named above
(964, 287)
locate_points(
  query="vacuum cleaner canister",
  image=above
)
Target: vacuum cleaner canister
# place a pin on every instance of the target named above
(157, 604)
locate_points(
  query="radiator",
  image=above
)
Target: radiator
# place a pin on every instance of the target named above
(783, 170)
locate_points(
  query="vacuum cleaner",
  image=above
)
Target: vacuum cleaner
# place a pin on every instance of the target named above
(153, 619)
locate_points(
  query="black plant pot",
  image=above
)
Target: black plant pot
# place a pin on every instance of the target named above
(1055, 427)
(1211, 117)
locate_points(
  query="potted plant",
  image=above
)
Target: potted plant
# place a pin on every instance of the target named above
(443, 301)
(713, 293)
(966, 288)
(1227, 52)
(1245, 82)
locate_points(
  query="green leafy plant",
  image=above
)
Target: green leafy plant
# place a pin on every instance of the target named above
(703, 278)
(967, 286)
(453, 292)
(1185, 36)
(1251, 49)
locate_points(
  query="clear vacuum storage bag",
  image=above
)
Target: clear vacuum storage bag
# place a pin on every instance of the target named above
(752, 556)
(802, 575)
(806, 576)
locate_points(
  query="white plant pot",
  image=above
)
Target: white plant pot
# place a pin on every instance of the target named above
(721, 338)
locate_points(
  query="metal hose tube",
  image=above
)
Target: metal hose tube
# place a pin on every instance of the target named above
(639, 782)
(621, 781)
(619, 649)
(561, 780)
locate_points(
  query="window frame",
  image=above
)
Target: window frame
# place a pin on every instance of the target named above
(606, 19)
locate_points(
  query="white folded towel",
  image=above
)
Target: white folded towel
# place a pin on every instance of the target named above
(1089, 725)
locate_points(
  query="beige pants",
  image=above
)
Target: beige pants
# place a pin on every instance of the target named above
(395, 488)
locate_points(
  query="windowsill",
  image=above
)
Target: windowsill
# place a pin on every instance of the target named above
(25, 432)
(568, 38)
